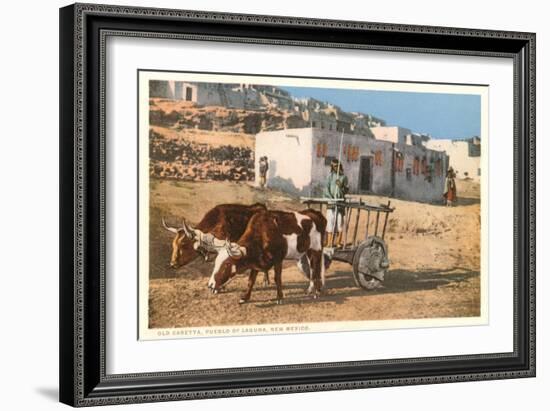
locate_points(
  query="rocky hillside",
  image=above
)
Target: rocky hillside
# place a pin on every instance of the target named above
(181, 115)
(212, 143)
(187, 155)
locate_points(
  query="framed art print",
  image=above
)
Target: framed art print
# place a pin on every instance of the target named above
(259, 204)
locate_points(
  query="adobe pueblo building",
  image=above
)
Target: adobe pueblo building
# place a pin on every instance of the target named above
(465, 156)
(397, 165)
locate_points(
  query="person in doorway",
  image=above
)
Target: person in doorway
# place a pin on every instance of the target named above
(450, 188)
(335, 189)
(264, 166)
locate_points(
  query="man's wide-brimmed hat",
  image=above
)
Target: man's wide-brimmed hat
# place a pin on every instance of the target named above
(338, 164)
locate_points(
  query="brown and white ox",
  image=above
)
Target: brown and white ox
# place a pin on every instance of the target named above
(270, 238)
(225, 221)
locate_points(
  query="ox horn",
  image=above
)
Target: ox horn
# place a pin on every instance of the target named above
(235, 250)
(171, 229)
(188, 230)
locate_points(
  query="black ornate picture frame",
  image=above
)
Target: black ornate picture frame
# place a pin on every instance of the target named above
(83, 31)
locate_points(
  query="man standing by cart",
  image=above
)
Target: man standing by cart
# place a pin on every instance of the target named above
(336, 189)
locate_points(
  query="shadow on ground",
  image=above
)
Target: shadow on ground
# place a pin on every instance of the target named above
(466, 201)
(340, 285)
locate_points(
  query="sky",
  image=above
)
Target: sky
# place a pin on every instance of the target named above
(451, 116)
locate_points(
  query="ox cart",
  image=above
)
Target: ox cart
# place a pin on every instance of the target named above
(363, 245)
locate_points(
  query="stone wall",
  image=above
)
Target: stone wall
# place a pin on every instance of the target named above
(180, 159)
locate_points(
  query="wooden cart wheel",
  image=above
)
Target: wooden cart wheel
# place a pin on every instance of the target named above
(370, 263)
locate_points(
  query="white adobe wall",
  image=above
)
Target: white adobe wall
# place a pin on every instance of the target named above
(459, 158)
(294, 166)
(172, 89)
(393, 134)
(419, 188)
(180, 90)
(210, 94)
(289, 153)
(381, 181)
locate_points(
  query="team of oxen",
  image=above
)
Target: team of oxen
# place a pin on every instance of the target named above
(255, 239)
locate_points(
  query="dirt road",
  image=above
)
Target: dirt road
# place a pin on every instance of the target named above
(434, 273)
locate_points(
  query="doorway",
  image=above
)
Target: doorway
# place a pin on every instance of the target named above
(188, 94)
(365, 174)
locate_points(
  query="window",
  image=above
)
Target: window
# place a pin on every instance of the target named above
(399, 161)
(349, 150)
(319, 150)
(429, 173)
(416, 166)
(424, 166)
(378, 161)
(355, 153)
(479, 172)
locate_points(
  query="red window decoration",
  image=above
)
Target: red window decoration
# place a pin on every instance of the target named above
(398, 161)
(378, 158)
(321, 149)
(416, 166)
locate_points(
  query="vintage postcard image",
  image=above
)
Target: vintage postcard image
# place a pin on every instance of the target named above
(274, 205)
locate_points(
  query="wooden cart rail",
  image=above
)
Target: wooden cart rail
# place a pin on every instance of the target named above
(352, 209)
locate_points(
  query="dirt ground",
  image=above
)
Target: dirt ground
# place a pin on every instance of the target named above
(434, 273)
